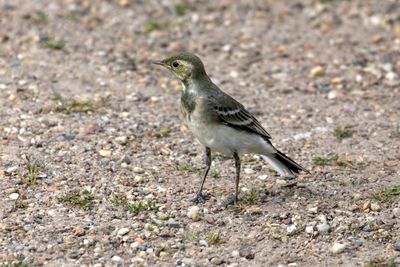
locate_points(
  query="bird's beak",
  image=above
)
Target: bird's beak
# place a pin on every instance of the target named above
(160, 62)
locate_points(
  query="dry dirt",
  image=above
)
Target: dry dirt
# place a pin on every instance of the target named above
(97, 169)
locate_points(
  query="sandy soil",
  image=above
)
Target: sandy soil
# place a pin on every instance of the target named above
(97, 169)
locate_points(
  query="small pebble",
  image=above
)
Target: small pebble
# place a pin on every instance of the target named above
(235, 254)
(138, 179)
(291, 229)
(116, 258)
(358, 242)
(323, 228)
(367, 228)
(193, 213)
(263, 177)
(338, 248)
(203, 243)
(14, 196)
(375, 207)
(396, 212)
(313, 210)
(366, 205)
(391, 76)
(173, 224)
(11, 170)
(123, 231)
(216, 261)
(332, 95)
(122, 140)
(309, 229)
(317, 71)
(163, 254)
(138, 170)
(396, 245)
(248, 171)
(105, 153)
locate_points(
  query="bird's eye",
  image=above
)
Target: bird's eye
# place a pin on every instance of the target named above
(175, 64)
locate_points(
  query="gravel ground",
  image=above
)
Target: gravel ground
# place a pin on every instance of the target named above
(97, 168)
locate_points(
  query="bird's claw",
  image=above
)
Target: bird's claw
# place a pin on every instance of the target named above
(234, 200)
(200, 198)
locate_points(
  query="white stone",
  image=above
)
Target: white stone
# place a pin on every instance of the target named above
(332, 95)
(291, 229)
(235, 254)
(309, 229)
(317, 71)
(123, 231)
(121, 140)
(263, 177)
(116, 258)
(338, 248)
(391, 76)
(396, 212)
(193, 213)
(248, 171)
(14, 196)
(105, 153)
(323, 228)
(375, 207)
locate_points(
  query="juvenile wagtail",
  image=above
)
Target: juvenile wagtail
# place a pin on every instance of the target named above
(220, 122)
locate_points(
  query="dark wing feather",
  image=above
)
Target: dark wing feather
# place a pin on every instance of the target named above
(233, 114)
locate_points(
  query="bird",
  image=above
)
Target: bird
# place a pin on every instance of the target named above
(221, 123)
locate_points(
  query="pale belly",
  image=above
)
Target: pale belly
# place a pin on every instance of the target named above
(227, 140)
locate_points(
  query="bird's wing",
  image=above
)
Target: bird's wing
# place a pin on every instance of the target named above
(234, 114)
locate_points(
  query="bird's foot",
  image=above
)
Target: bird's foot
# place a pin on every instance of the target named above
(233, 201)
(200, 198)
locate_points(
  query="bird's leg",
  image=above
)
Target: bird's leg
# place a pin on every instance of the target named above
(199, 196)
(234, 200)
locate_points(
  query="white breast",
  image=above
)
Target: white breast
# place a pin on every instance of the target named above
(227, 140)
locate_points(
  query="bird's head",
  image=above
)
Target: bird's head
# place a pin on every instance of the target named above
(184, 66)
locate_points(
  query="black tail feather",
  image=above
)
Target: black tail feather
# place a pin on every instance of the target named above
(289, 163)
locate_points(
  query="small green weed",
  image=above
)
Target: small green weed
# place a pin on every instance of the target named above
(180, 9)
(252, 197)
(215, 174)
(322, 161)
(164, 133)
(138, 207)
(55, 45)
(32, 174)
(119, 200)
(82, 199)
(387, 195)
(344, 132)
(72, 106)
(214, 238)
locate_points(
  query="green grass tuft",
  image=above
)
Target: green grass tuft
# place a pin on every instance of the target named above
(215, 174)
(138, 207)
(56, 45)
(82, 199)
(181, 9)
(72, 106)
(322, 161)
(164, 133)
(214, 238)
(344, 132)
(387, 195)
(32, 174)
(252, 197)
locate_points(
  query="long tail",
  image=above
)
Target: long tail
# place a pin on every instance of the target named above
(283, 164)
